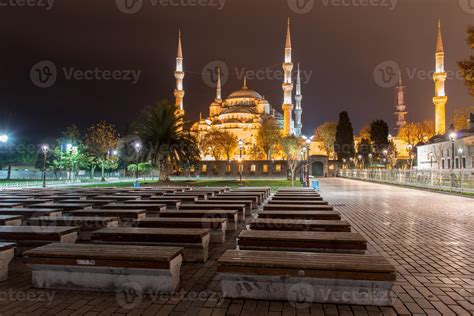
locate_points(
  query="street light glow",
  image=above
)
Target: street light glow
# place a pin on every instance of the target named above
(137, 146)
(45, 148)
(3, 138)
(453, 136)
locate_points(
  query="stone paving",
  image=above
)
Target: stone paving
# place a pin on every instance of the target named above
(429, 237)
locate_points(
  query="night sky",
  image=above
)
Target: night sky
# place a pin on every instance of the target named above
(339, 46)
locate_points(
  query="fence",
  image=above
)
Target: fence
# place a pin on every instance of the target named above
(461, 181)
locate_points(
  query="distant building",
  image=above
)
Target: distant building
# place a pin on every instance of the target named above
(242, 112)
(438, 152)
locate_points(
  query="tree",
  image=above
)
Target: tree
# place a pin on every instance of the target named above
(364, 131)
(467, 66)
(326, 133)
(268, 136)
(344, 146)
(417, 132)
(291, 147)
(101, 140)
(69, 154)
(460, 117)
(219, 144)
(392, 154)
(164, 139)
(379, 136)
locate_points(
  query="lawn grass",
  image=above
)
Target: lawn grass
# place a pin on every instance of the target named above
(273, 184)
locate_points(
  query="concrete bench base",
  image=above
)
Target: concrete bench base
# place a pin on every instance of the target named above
(105, 279)
(306, 290)
(5, 257)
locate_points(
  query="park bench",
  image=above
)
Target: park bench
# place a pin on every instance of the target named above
(106, 268)
(63, 206)
(249, 204)
(24, 202)
(320, 215)
(299, 225)
(10, 204)
(213, 190)
(304, 195)
(116, 197)
(33, 236)
(216, 206)
(306, 278)
(86, 224)
(10, 220)
(250, 201)
(139, 194)
(90, 201)
(181, 198)
(340, 242)
(310, 190)
(259, 196)
(152, 209)
(217, 226)
(297, 207)
(199, 195)
(300, 202)
(230, 216)
(266, 191)
(7, 252)
(300, 199)
(30, 212)
(195, 242)
(170, 204)
(122, 214)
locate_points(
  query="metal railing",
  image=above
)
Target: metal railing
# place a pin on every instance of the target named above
(460, 181)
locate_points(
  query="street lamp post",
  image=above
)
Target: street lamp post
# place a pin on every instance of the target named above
(138, 147)
(44, 149)
(410, 148)
(460, 151)
(452, 137)
(241, 146)
(304, 153)
(360, 161)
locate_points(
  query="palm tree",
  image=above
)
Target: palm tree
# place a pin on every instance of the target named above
(165, 140)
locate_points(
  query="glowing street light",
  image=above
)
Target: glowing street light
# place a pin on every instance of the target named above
(3, 138)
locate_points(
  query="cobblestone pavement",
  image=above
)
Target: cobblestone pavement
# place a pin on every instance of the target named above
(428, 236)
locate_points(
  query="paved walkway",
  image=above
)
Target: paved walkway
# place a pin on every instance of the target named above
(428, 236)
